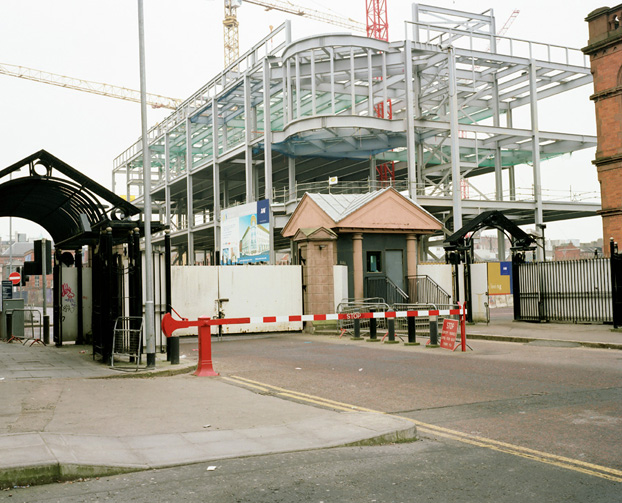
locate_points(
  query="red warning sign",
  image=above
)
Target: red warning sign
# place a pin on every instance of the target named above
(449, 333)
(15, 278)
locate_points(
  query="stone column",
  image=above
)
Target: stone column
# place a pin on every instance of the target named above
(357, 264)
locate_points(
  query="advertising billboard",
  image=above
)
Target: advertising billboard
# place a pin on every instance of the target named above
(499, 278)
(245, 233)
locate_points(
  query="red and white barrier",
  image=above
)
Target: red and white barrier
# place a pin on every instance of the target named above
(204, 323)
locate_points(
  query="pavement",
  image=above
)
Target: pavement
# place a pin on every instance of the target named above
(66, 416)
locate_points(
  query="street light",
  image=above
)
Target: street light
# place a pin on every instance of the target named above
(542, 227)
(149, 308)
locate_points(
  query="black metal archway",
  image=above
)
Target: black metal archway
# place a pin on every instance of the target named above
(77, 211)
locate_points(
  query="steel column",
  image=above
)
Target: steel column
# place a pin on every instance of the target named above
(455, 141)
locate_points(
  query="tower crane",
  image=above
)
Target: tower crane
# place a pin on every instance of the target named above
(230, 22)
(123, 93)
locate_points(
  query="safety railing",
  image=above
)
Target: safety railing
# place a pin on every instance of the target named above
(368, 305)
(384, 288)
(424, 290)
(473, 40)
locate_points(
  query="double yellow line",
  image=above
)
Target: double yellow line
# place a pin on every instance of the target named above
(430, 429)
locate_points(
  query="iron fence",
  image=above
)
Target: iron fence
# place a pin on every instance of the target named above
(577, 291)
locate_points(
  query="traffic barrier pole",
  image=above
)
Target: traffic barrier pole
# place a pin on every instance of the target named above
(172, 348)
(372, 331)
(433, 332)
(463, 326)
(204, 367)
(391, 323)
(412, 332)
(46, 330)
(357, 331)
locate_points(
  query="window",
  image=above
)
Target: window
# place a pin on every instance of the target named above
(374, 261)
(37, 284)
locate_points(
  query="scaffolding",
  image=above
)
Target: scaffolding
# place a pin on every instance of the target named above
(290, 113)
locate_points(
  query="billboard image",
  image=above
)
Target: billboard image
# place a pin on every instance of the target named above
(245, 233)
(499, 278)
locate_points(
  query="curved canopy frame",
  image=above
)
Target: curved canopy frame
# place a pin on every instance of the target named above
(68, 208)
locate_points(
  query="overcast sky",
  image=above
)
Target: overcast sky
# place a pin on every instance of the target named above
(98, 41)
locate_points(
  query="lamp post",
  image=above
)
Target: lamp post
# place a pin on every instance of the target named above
(149, 308)
(542, 227)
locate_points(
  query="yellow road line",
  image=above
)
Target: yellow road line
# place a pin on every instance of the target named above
(488, 443)
(318, 402)
(260, 388)
(304, 395)
(439, 429)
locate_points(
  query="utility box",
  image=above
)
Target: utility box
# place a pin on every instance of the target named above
(8, 306)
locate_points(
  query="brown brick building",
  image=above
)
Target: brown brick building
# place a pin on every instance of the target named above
(605, 51)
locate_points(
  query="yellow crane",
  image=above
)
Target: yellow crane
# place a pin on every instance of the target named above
(123, 93)
(230, 22)
(231, 45)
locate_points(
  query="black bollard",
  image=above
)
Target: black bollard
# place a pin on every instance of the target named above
(372, 331)
(391, 340)
(412, 332)
(357, 331)
(46, 330)
(9, 326)
(433, 332)
(174, 350)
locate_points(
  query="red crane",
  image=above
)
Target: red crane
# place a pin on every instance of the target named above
(378, 28)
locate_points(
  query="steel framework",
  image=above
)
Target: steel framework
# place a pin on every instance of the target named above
(294, 114)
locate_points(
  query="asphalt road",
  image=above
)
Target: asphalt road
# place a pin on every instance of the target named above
(564, 401)
(425, 471)
(505, 422)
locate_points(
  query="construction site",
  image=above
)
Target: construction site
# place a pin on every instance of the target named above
(351, 113)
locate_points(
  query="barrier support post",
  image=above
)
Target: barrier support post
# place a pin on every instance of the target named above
(391, 323)
(463, 326)
(433, 332)
(204, 367)
(357, 331)
(412, 332)
(373, 331)
(173, 349)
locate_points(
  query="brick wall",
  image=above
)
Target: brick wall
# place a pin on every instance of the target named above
(605, 51)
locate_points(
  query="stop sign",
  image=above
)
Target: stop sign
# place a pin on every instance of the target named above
(15, 278)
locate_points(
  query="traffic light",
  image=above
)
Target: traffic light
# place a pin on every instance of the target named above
(24, 279)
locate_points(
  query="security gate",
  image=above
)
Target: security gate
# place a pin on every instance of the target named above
(575, 291)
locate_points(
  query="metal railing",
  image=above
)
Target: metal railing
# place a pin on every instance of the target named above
(283, 195)
(383, 287)
(424, 290)
(367, 305)
(443, 36)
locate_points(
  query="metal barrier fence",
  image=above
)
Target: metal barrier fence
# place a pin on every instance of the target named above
(127, 339)
(568, 291)
(369, 305)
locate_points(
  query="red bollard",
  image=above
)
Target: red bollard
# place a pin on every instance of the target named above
(463, 326)
(204, 367)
